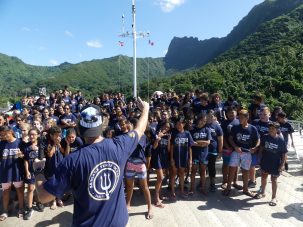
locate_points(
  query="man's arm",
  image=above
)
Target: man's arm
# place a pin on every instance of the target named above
(141, 125)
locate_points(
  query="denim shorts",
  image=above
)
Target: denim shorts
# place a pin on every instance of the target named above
(242, 159)
(135, 168)
(226, 156)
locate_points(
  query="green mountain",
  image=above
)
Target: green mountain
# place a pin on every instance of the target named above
(196, 53)
(92, 77)
(269, 61)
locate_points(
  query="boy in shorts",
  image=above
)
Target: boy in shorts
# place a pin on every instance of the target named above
(201, 135)
(274, 151)
(244, 139)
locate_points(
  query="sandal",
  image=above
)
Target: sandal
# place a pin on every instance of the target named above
(224, 186)
(173, 197)
(59, 203)
(273, 202)
(191, 193)
(250, 194)
(159, 205)
(164, 198)
(3, 216)
(53, 206)
(226, 192)
(237, 186)
(20, 213)
(184, 195)
(259, 196)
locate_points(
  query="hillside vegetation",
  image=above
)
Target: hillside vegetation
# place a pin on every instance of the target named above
(196, 53)
(269, 61)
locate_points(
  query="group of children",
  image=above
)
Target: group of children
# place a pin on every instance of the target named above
(186, 134)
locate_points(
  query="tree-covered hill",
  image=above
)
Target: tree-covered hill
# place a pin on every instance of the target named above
(196, 53)
(269, 61)
(92, 77)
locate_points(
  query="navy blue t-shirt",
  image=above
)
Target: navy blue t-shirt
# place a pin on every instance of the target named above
(160, 155)
(226, 126)
(218, 108)
(108, 104)
(95, 174)
(254, 110)
(181, 142)
(200, 134)
(202, 109)
(52, 163)
(274, 148)
(73, 146)
(286, 129)
(31, 154)
(245, 138)
(67, 118)
(216, 131)
(261, 126)
(11, 167)
(139, 152)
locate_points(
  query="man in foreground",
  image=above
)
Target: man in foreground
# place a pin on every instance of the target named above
(94, 173)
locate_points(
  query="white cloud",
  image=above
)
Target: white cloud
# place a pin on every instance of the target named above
(25, 29)
(169, 5)
(68, 33)
(94, 44)
(53, 62)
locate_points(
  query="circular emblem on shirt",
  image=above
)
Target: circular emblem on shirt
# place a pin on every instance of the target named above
(103, 180)
(266, 145)
(33, 154)
(239, 136)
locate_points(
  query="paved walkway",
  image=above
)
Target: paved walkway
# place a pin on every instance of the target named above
(211, 210)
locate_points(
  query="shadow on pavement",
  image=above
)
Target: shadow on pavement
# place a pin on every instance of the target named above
(63, 219)
(229, 204)
(292, 210)
(299, 189)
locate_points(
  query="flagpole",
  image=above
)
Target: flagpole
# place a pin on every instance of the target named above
(134, 49)
(135, 36)
(119, 73)
(148, 78)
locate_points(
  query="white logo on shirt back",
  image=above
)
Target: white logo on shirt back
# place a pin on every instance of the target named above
(103, 180)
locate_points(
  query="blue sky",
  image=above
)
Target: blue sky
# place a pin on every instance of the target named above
(52, 32)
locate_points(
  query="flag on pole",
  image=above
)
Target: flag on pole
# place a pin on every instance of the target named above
(121, 43)
(151, 42)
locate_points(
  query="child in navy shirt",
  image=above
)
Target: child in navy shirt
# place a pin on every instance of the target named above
(54, 155)
(11, 169)
(274, 151)
(201, 135)
(286, 130)
(32, 152)
(136, 166)
(180, 154)
(160, 159)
